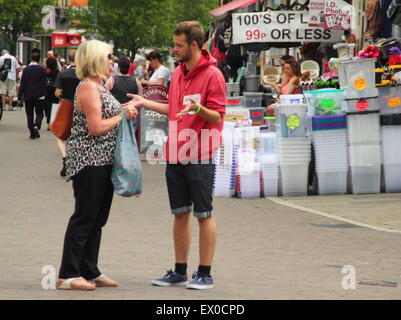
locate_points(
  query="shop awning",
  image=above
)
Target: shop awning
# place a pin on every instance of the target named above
(26, 39)
(233, 5)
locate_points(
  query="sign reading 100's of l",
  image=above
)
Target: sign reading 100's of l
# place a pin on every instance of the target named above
(279, 26)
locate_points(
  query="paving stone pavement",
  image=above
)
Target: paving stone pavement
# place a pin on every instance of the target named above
(265, 250)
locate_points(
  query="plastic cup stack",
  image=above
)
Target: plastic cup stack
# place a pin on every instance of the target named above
(331, 154)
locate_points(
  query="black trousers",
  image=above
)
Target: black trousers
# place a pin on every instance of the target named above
(37, 106)
(93, 192)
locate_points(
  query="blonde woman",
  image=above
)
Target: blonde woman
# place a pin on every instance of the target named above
(90, 151)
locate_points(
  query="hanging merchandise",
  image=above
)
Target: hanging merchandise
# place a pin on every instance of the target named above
(394, 12)
(374, 19)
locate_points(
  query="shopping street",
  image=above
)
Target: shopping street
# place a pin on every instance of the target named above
(265, 250)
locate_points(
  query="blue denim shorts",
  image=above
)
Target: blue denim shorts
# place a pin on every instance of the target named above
(190, 188)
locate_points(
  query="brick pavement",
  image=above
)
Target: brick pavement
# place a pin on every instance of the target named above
(265, 250)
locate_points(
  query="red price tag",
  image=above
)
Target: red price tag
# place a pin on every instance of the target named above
(362, 105)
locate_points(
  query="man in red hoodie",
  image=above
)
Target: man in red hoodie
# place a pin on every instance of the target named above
(197, 98)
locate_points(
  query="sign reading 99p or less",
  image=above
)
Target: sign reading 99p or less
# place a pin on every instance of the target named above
(279, 26)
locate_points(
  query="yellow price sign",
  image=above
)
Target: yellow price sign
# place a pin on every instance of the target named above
(360, 84)
(394, 102)
(293, 122)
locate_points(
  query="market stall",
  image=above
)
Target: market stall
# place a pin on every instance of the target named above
(337, 136)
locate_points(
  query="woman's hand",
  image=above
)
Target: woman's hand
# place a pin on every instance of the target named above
(131, 108)
(270, 109)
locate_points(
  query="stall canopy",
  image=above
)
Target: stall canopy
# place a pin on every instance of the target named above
(233, 5)
(26, 39)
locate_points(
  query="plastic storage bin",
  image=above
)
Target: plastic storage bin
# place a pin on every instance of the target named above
(392, 177)
(294, 179)
(235, 101)
(252, 83)
(233, 89)
(362, 105)
(332, 182)
(292, 120)
(365, 154)
(366, 179)
(320, 123)
(257, 115)
(326, 102)
(292, 99)
(357, 78)
(253, 99)
(363, 128)
(389, 99)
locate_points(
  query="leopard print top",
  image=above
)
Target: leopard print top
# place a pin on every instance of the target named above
(84, 149)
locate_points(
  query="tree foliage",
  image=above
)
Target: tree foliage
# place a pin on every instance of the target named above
(130, 24)
(20, 16)
(134, 24)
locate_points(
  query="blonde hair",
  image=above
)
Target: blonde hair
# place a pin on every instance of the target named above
(91, 59)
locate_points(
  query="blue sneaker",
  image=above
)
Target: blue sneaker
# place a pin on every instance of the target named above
(171, 279)
(200, 281)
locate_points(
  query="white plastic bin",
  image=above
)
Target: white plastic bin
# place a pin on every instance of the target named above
(292, 118)
(334, 182)
(357, 78)
(253, 99)
(292, 99)
(294, 179)
(362, 105)
(235, 101)
(389, 99)
(363, 128)
(366, 179)
(392, 177)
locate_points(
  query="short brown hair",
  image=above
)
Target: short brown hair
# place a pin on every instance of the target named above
(192, 30)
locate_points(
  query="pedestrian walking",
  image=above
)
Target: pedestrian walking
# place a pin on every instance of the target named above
(9, 67)
(197, 98)
(66, 83)
(32, 91)
(90, 152)
(161, 74)
(51, 75)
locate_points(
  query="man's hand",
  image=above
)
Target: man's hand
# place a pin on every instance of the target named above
(131, 107)
(193, 106)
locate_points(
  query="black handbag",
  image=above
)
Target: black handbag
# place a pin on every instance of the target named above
(394, 12)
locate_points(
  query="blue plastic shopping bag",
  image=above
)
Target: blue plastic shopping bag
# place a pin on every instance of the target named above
(127, 172)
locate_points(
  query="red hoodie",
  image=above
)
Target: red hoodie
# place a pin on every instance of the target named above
(191, 137)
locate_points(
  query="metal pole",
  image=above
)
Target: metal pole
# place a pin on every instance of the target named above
(95, 16)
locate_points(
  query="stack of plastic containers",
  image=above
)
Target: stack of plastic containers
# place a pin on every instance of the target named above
(248, 166)
(331, 154)
(294, 158)
(364, 152)
(269, 164)
(294, 148)
(357, 78)
(225, 160)
(390, 111)
(391, 147)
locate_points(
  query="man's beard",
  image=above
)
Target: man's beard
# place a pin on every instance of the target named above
(186, 57)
